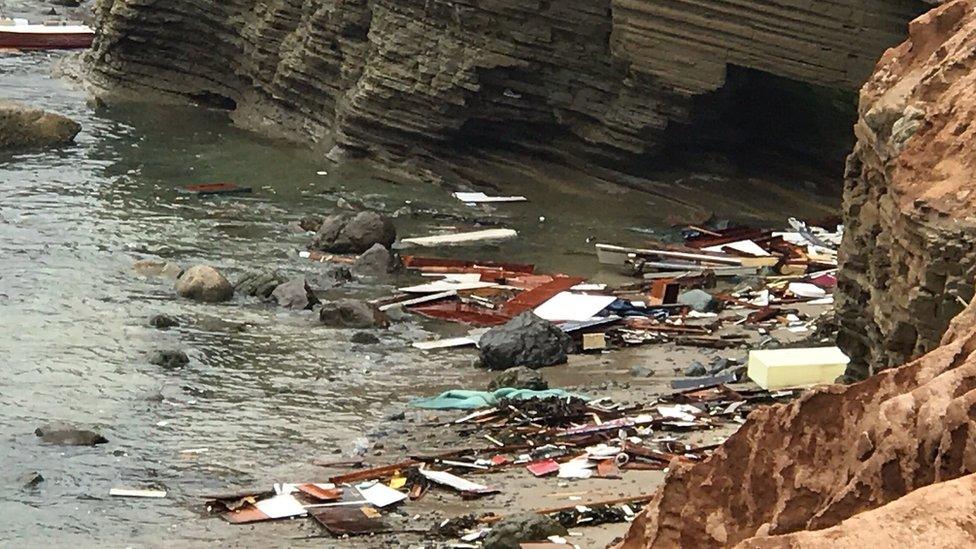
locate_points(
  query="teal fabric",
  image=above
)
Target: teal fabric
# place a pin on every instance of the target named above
(460, 399)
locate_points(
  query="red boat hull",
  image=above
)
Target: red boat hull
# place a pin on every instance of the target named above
(45, 41)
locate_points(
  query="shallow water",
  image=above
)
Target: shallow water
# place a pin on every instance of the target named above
(266, 390)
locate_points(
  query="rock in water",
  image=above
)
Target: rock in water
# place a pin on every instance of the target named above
(510, 532)
(698, 300)
(295, 294)
(157, 268)
(519, 377)
(526, 340)
(259, 283)
(204, 283)
(30, 480)
(26, 127)
(163, 321)
(348, 233)
(376, 261)
(364, 338)
(169, 358)
(352, 313)
(65, 434)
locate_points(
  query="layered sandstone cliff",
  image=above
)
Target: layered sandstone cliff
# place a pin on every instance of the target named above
(908, 259)
(840, 451)
(598, 79)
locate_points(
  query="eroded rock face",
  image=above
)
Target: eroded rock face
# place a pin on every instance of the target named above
(26, 127)
(413, 78)
(938, 516)
(831, 454)
(908, 259)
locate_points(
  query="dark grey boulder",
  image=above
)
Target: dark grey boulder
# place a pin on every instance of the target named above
(204, 283)
(512, 531)
(295, 294)
(698, 300)
(695, 369)
(352, 313)
(364, 338)
(163, 321)
(519, 377)
(376, 261)
(354, 233)
(259, 283)
(169, 358)
(65, 434)
(526, 340)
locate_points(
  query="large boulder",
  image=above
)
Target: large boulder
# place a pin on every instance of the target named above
(519, 377)
(26, 127)
(354, 233)
(204, 283)
(352, 313)
(376, 261)
(259, 283)
(295, 294)
(510, 532)
(65, 434)
(526, 340)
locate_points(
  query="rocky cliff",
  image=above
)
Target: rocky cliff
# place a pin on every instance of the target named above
(908, 259)
(599, 80)
(840, 451)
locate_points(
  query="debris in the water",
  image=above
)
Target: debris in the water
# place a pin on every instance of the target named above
(478, 198)
(215, 188)
(136, 493)
(452, 239)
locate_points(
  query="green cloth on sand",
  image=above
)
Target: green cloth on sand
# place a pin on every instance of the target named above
(460, 399)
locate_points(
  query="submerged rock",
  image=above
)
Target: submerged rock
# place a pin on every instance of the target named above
(364, 338)
(157, 268)
(519, 377)
(65, 434)
(330, 275)
(204, 283)
(376, 261)
(259, 283)
(348, 233)
(26, 127)
(168, 358)
(352, 313)
(510, 532)
(526, 340)
(295, 294)
(163, 321)
(310, 223)
(698, 300)
(30, 480)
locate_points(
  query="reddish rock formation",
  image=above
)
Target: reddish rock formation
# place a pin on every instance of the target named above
(939, 516)
(834, 452)
(908, 259)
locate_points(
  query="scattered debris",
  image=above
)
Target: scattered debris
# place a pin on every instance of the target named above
(207, 189)
(455, 239)
(136, 493)
(782, 368)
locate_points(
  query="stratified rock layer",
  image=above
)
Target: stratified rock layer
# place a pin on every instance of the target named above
(908, 259)
(406, 78)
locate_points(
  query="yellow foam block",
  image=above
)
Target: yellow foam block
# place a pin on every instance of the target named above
(781, 368)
